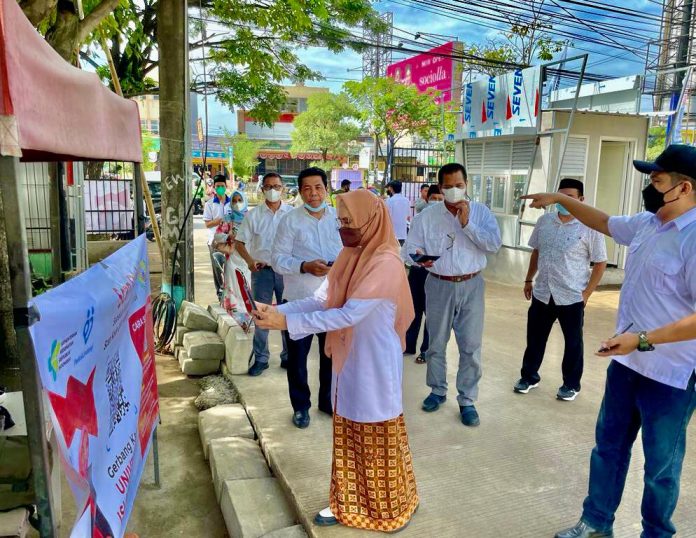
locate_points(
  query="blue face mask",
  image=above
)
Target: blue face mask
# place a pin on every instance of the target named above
(562, 210)
(315, 209)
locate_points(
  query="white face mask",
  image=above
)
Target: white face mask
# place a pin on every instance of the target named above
(239, 206)
(454, 195)
(272, 195)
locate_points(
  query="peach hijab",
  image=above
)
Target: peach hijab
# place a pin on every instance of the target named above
(372, 270)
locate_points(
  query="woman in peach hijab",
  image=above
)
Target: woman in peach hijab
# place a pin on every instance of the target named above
(365, 307)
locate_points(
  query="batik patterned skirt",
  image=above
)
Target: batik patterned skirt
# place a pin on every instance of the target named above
(372, 481)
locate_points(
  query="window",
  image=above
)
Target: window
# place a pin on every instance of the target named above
(154, 126)
(499, 190)
(476, 187)
(488, 191)
(292, 105)
(518, 183)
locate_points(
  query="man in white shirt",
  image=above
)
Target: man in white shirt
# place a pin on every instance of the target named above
(564, 248)
(214, 215)
(461, 233)
(422, 201)
(399, 210)
(254, 243)
(650, 390)
(305, 246)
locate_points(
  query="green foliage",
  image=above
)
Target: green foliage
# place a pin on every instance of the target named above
(149, 143)
(390, 111)
(244, 152)
(329, 126)
(656, 142)
(260, 54)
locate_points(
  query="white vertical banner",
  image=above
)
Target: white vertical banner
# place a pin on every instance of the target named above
(496, 106)
(95, 353)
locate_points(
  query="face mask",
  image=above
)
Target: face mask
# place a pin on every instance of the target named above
(654, 199)
(239, 206)
(315, 209)
(220, 191)
(272, 195)
(350, 237)
(562, 210)
(454, 195)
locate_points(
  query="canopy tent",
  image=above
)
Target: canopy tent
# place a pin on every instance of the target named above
(52, 111)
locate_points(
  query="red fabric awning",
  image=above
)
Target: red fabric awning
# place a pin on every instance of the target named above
(52, 111)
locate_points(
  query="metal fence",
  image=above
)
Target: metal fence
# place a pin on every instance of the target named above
(415, 167)
(108, 200)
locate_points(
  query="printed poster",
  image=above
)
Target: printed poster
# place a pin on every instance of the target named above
(95, 352)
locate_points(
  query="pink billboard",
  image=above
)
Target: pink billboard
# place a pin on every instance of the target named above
(433, 69)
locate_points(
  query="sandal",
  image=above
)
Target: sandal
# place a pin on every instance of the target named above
(420, 359)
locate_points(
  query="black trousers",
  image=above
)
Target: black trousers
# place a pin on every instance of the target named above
(539, 323)
(416, 281)
(218, 276)
(297, 373)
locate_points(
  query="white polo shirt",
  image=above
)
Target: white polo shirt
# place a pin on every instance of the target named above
(212, 210)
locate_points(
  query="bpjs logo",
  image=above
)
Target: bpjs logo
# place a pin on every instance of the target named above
(89, 325)
(53, 364)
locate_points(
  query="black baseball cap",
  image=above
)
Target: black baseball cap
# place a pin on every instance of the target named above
(676, 158)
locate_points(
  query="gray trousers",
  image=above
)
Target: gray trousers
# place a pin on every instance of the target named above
(458, 306)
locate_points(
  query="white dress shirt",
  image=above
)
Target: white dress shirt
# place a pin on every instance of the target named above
(659, 288)
(368, 389)
(462, 251)
(399, 210)
(565, 252)
(304, 238)
(214, 209)
(258, 231)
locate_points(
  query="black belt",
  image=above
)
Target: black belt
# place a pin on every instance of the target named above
(456, 278)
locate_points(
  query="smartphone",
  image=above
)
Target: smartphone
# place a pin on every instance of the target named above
(329, 264)
(423, 258)
(605, 349)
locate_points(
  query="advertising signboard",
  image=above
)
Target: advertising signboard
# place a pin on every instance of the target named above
(437, 68)
(497, 106)
(96, 359)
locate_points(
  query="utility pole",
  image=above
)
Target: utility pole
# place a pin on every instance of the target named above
(172, 36)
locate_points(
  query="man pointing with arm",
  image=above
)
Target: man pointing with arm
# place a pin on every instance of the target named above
(650, 390)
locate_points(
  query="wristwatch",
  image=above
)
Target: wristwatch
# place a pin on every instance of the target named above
(643, 342)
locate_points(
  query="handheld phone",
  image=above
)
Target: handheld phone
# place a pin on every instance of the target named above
(329, 264)
(423, 258)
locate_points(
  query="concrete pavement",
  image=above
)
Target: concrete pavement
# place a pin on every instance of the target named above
(522, 473)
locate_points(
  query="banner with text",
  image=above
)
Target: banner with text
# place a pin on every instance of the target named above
(496, 106)
(95, 352)
(439, 69)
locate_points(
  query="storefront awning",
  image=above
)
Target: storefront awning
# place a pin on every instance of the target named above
(52, 111)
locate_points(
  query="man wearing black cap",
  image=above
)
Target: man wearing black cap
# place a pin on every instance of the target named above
(650, 390)
(564, 248)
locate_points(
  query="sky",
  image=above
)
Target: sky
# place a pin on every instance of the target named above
(604, 34)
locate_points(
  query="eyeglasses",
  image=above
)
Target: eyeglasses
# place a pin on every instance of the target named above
(451, 238)
(267, 188)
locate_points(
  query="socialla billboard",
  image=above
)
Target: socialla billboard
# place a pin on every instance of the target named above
(434, 69)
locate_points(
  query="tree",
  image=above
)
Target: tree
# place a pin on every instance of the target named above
(149, 144)
(391, 110)
(656, 141)
(329, 126)
(60, 23)
(244, 152)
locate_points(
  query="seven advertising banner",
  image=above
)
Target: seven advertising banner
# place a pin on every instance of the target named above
(496, 106)
(436, 69)
(95, 352)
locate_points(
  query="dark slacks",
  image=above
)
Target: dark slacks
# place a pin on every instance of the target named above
(298, 350)
(661, 413)
(416, 281)
(539, 323)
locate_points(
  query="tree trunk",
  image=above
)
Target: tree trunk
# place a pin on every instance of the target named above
(63, 34)
(9, 354)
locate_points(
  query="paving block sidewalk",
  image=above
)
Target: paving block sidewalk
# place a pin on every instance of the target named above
(522, 473)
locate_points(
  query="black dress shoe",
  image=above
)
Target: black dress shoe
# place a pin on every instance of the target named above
(469, 415)
(257, 368)
(284, 364)
(301, 419)
(433, 402)
(583, 530)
